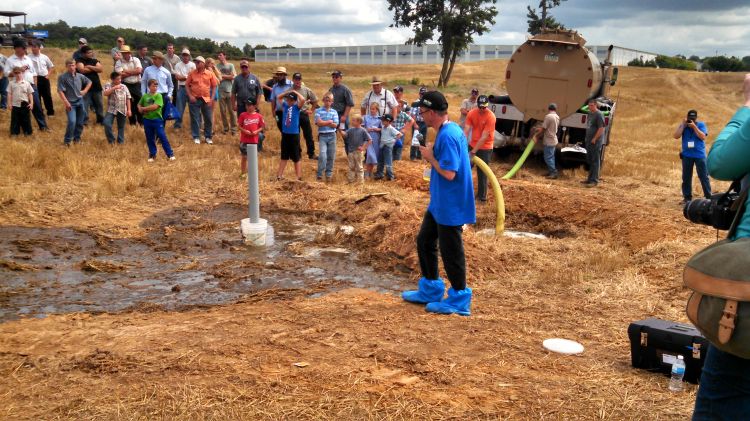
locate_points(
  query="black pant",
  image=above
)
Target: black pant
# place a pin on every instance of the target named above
(451, 249)
(174, 91)
(45, 94)
(20, 118)
(135, 98)
(306, 128)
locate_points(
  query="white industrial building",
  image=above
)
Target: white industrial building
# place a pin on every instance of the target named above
(410, 54)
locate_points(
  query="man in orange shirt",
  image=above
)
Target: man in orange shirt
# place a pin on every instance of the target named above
(200, 87)
(480, 122)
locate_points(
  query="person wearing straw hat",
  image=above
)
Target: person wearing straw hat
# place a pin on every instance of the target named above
(181, 72)
(200, 87)
(282, 85)
(130, 69)
(159, 73)
(451, 207)
(383, 97)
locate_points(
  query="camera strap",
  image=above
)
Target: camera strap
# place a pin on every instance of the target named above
(739, 205)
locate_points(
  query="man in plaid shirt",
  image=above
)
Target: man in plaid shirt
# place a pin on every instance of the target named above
(402, 123)
(419, 124)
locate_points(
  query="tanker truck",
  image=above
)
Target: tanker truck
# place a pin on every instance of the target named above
(554, 66)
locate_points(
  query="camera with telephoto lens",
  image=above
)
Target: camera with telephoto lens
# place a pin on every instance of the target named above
(719, 211)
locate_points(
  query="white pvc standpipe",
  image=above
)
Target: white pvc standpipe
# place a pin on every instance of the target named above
(252, 183)
(254, 229)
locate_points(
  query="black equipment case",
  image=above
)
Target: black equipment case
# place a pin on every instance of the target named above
(655, 344)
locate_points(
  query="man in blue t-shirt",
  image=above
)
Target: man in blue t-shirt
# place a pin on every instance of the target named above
(289, 104)
(451, 206)
(693, 133)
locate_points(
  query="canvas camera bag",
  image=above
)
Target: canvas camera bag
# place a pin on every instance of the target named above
(719, 276)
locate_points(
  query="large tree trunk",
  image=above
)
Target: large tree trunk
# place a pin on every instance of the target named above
(450, 69)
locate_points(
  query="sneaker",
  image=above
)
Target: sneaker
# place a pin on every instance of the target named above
(585, 181)
(209, 141)
(197, 141)
(552, 176)
(319, 178)
(172, 158)
(592, 184)
(151, 160)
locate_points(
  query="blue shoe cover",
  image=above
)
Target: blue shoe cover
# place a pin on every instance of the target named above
(428, 292)
(458, 302)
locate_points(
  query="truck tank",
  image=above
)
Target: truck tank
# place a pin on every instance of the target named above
(554, 67)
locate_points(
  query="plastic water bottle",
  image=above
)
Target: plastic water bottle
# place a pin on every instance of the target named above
(678, 371)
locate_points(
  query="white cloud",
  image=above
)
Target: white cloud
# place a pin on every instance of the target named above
(364, 22)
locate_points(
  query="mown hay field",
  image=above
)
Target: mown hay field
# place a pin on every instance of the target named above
(614, 255)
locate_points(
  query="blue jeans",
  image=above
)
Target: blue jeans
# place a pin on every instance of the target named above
(594, 159)
(398, 148)
(41, 120)
(182, 100)
(76, 115)
(687, 177)
(197, 109)
(109, 119)
(385, 159)
(154, 128)
(724, 392)
(94, 100)
(326, 153)
(4, 92)
(549, 159)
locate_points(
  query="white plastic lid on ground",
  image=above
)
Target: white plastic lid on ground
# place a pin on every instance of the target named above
(562, 346)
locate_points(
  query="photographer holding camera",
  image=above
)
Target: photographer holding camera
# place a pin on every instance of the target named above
(693, 133)
(724, 391)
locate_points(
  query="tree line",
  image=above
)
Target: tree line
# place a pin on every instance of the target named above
(103, 37)
(710, 64)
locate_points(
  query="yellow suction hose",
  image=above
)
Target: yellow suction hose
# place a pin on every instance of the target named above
(500, 224)
(520, 161)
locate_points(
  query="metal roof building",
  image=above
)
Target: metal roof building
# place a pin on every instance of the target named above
(410, 54)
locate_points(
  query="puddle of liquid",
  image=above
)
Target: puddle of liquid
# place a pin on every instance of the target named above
(64, 270)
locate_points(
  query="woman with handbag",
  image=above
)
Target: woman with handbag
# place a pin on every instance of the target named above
(724, 391)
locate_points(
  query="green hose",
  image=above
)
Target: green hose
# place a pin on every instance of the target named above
(520, 161)
(499, 200)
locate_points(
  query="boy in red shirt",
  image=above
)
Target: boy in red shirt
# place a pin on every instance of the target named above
(251, 126)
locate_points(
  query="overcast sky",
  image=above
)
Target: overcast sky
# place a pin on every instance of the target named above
(688, 27)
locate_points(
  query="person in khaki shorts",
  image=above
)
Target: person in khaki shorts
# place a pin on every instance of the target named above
(356, 141)
(228, 73)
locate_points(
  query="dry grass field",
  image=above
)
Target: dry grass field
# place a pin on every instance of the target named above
(614, 255)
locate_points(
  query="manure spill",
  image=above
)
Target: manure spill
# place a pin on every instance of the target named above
(190, 257)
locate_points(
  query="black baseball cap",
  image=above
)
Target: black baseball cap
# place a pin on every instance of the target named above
(336, 73)
(692, 114)
(552, 106)
(292, 95)
(387, 117)
(433, 100)
(252, 101)
(398, 88)
(483, 101)
(297, 76)
(422, 89)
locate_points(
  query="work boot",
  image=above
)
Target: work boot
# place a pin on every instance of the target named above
(428, 292)
(456, 302)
